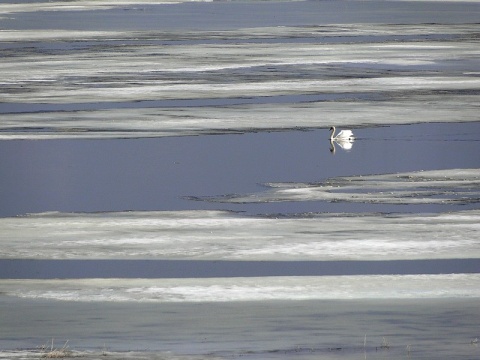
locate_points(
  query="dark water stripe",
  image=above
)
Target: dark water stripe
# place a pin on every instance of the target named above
(22, 108)
(7, 108)
(81, 269)
(68, 45)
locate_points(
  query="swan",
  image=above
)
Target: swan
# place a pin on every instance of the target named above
(344, 135)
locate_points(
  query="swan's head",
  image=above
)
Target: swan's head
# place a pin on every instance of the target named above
(332, 128)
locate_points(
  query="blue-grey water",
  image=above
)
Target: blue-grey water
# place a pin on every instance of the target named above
(164, 173)
(168, 187)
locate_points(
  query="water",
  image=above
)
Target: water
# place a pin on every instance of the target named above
(168, 188)
(166, 173)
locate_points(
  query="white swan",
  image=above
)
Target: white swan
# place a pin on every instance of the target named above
(344, 135)
(344, 139)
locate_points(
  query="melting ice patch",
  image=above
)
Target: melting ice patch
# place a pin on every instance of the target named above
(186, 83)
(79, 5)
(184, 121)
(221, 119)
(459, 186)
(216, 235)
(248, 289)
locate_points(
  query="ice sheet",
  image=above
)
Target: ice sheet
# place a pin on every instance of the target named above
(248, 289)
(325, 329)
(459, 186)
(80, 5)
(216, 235)
(102, 84)
(220, 120)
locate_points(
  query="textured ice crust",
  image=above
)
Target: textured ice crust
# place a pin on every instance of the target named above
(216, 235)
(248, 289)
(459, 186)
(82, 5)
(176, 83)
(79, 5)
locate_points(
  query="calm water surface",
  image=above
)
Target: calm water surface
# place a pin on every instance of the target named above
(160, 174)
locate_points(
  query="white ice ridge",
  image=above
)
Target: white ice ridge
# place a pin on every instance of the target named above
(278, 32)
(453, 186)
(216, 235)
(406, 80)
(80, 5)
(133, 72)
(248, 289)
(187, 121)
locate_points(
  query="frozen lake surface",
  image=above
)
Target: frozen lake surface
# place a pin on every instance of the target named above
(150, 69)
(211, 235)
(172, 83)
(168, 188)
(248, 289)
(307, 329)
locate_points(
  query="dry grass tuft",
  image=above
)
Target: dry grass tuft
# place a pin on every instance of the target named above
(54, 353)
(385, 344)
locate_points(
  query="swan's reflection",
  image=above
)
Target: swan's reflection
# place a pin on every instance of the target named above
(345, 144)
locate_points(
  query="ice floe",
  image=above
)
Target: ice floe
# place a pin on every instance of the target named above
(175, 83)
(155, 122)
(459, 186)
(248, 289)
(216, 235)
(79, 5)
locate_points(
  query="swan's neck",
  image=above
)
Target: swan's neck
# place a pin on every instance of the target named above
(332, 132)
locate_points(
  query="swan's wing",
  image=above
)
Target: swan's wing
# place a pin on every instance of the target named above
(345, 134)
